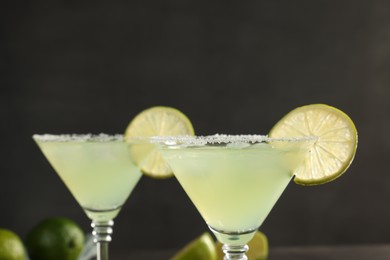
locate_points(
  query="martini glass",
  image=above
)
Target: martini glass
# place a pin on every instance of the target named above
(99, 172)
(234, 181)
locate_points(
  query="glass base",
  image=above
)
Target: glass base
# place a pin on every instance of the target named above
(234, 243)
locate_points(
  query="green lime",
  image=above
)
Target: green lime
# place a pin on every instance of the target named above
(201, 248)
(11, 246)
(55, 238)
(258, 247)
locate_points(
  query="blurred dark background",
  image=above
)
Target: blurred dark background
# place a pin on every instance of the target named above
(231, 66)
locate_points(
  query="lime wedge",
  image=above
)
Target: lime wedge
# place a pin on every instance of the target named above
(202, 248)
(332, 153)
(156, 121)
(258, 248)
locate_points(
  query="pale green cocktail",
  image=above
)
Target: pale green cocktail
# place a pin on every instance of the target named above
(234, 181)
(98, 171)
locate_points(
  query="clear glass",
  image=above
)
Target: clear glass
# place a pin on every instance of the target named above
(99, 172)
(233, 180)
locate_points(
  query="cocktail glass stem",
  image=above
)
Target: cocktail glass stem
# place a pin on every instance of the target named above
(102, 231)
(234, 243)
(235, 252)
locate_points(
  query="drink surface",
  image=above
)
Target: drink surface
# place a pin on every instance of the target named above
(234, 188)
(100, 175)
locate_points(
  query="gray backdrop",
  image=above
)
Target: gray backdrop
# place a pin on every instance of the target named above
(231, 66)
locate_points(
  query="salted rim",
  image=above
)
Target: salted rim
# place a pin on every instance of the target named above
(224, 139)
(170, 140)
(78, 138)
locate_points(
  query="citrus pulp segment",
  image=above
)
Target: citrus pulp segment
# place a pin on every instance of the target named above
(156, 121)
(335, 148)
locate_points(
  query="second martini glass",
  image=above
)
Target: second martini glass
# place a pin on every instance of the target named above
(234, 181)
(98, 171)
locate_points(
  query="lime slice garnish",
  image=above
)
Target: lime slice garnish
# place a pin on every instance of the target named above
(332, 153)
(156, 121)
(258, 248)
(202, 248)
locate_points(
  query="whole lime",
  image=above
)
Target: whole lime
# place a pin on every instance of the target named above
(55, 238)
(11, 246)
